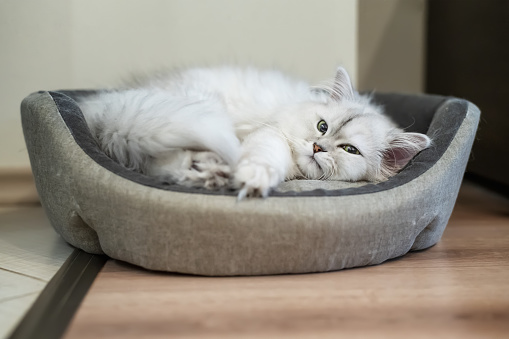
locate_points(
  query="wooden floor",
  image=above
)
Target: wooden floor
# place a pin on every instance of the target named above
(456, 289)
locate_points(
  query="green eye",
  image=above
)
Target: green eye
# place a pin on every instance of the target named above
(322, 126)
(350, 149)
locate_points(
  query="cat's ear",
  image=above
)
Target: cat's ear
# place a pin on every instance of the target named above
(402, 148)
(342, 87)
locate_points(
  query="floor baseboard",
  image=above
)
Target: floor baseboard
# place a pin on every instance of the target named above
(17, 186)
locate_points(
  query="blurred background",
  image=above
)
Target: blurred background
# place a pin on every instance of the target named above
(451, 47)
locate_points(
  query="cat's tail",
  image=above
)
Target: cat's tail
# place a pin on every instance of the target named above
(135, 125)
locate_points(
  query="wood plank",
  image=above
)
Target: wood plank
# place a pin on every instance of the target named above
(458, 288)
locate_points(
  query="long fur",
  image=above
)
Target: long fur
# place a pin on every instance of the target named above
(257, 128)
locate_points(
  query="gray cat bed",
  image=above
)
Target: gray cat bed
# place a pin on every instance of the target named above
(304, 226)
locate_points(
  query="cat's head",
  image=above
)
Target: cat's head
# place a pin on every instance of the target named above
(346, 137)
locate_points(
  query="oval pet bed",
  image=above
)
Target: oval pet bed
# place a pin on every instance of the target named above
(303, 226)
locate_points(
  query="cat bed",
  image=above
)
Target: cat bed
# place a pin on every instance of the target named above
(303, 226)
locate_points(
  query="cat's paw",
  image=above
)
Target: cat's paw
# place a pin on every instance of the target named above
(254, 179)
(207, 170)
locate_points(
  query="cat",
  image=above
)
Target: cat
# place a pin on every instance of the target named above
(248, 129)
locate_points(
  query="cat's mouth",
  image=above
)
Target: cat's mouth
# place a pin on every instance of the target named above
(315, 162)
(309, 167)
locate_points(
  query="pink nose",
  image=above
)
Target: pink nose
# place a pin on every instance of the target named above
(316, 148)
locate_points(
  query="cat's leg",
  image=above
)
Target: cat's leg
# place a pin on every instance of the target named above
(265, 162)
(191, 168)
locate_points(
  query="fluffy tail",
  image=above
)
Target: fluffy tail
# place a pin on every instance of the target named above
(134, 125)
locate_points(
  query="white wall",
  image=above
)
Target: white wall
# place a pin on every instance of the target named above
(33, 56)
(305, 37)
(391, 45)
(55, 44)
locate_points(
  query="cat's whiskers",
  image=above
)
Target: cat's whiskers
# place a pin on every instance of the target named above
(325, 175)
(331, 170)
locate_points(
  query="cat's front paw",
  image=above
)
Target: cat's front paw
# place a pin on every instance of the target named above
(254, 179)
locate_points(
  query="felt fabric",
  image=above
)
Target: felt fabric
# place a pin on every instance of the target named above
(304, 226)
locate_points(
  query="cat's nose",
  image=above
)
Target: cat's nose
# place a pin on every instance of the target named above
(317, 148)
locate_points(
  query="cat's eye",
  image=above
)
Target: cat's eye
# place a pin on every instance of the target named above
(350, 149)
(322, 126)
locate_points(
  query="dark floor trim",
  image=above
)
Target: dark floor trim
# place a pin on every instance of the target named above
(53, 310)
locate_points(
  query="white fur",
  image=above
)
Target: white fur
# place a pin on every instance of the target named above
(198, 127)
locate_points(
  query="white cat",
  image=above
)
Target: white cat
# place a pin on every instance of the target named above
(248, 129)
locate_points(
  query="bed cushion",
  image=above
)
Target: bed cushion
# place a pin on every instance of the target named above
(303, 226)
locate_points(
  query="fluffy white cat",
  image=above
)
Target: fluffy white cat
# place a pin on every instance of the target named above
(248, 129)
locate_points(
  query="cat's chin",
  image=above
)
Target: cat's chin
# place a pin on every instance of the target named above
(309, 167)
